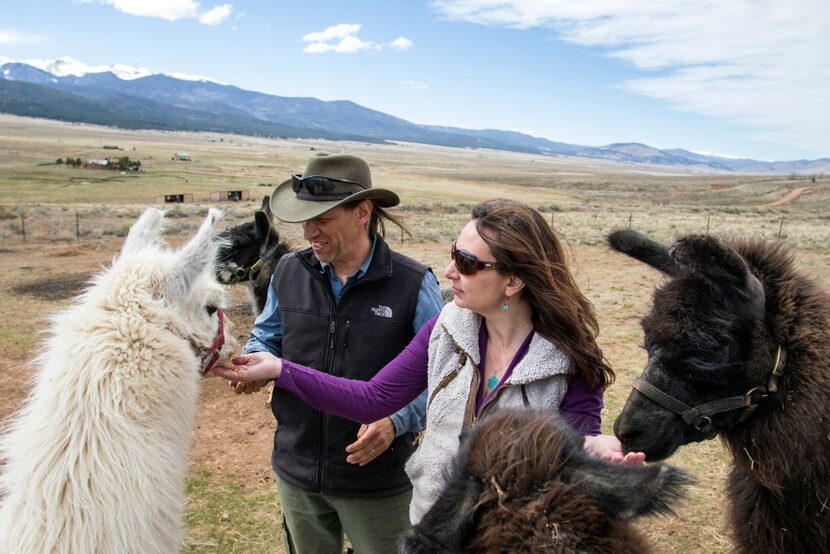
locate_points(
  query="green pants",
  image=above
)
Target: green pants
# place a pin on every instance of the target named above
(314, 523)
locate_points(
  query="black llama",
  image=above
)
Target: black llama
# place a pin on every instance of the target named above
(250, 254)
(738, 344)
(522, 482)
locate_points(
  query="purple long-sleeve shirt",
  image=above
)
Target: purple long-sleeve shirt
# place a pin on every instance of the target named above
(404, 378)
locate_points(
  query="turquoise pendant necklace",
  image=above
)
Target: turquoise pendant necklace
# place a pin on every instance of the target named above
(492, 381)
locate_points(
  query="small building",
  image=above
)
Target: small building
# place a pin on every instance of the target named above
(111, 147)
(96, 164)
(175, 198)
(181, 156)
(230, 195)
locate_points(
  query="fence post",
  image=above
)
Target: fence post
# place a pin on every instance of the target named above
(401, 235)
(708, 218)
(23, 226)
(77, 227)
(629, 220)
(780, 227)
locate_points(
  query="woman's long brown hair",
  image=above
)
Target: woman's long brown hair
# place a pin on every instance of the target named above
(524, 245)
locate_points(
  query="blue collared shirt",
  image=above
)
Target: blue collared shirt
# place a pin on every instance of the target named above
(266, 336)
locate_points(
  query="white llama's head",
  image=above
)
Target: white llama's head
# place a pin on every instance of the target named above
(179, 284)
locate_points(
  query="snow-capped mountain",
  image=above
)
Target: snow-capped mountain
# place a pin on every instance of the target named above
(67, 66)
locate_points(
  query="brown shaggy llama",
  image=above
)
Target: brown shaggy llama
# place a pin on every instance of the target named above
(738, 345)
(522, 483)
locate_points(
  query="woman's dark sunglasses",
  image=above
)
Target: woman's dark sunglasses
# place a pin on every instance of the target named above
(466, 263)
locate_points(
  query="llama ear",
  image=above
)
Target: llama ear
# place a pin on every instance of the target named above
(725, 269)
(262, 223)
(266, 206)
(644, 249)
(145, 232)
(624, 492)
(197, 256)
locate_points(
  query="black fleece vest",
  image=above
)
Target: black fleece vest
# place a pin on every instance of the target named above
(355, 339)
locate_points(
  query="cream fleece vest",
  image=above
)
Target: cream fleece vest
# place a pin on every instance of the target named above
(538, 381)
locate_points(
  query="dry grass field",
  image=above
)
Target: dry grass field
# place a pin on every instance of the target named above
(231, 503)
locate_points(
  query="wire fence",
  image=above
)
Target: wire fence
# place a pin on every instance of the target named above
(430, 222)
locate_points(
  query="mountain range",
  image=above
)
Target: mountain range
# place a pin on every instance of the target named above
(137, 99)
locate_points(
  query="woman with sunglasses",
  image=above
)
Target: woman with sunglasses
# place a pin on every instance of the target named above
(519, 333)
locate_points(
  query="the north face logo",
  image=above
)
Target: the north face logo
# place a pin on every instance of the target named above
(382, 311)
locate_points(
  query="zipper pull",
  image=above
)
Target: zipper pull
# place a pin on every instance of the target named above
(346, 334)
(331, 335)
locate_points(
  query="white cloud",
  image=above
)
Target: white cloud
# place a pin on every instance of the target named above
(217, 15)
(347, 45)
(14, 38)
(341, 30)
(342, 38)
(764, 65)
(171, 10)
(400, 44)
(415, 85)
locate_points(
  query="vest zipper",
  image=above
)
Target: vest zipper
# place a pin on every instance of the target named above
(323, 417)
(491, 402)
(470, 409)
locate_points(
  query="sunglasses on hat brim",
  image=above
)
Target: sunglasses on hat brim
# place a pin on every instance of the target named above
(317, 187)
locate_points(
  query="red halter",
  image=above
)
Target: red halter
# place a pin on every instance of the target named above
(211, 355)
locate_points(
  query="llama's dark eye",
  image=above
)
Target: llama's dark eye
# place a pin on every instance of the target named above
(211, 309)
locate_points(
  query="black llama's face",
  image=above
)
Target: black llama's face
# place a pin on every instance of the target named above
(244, 245)
(699, 339)
(239, 252)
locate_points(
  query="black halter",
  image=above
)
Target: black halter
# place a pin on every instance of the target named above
(699, 416)
(249, 273)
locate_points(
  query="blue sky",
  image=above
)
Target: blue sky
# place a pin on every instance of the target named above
(747, 78)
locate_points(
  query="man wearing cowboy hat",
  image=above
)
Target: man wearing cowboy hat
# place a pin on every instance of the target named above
(348, 304)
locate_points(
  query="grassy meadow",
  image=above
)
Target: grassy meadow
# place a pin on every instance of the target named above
(75, 219)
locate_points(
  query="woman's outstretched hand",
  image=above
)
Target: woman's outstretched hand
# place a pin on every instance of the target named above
(608, 448)
(250, 368)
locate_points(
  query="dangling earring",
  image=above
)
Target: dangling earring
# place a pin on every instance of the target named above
(504, 307)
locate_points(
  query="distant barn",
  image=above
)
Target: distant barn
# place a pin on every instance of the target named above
(175, 198)
(181, 156)
(230, 195)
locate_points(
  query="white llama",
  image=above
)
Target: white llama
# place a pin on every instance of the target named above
(96, 459)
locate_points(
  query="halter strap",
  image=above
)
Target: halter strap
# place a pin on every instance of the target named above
(211, 355)
(700, 416)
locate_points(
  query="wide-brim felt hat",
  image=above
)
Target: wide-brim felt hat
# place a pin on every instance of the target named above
(341, 179)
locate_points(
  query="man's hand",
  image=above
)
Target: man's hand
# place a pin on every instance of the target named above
(372, 441)
(608, 448)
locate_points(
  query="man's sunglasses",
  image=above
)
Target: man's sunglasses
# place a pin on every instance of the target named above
(317, 187)
(466, 263)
